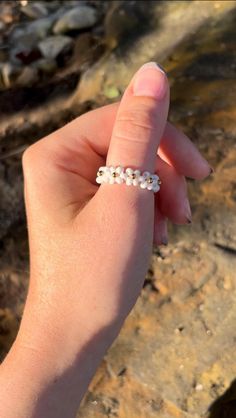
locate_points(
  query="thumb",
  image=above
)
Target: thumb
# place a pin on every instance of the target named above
(140, 120)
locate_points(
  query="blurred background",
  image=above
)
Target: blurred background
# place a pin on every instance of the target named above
(176, 355)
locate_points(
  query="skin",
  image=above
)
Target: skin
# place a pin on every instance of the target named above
(90, 245)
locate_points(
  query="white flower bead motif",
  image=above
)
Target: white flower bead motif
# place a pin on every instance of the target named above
(129, 176)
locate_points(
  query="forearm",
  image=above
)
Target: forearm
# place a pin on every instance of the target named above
(35, 384)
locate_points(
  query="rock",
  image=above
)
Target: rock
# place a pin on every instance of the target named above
(24, 55)
(24, 46)
(46, 65)
(81, 17)
(111, 92)
(28, 35)
(52, 46)
(2, 26)
(34, 10)
(9, 74)
(21, 38)
(41, 27)
(28, 76)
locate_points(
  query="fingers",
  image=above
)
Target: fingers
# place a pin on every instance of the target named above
(140, 120)
(181, 153)
(175, 147)
(172, 197)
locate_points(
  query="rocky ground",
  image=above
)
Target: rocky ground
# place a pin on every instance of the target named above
(175, 356)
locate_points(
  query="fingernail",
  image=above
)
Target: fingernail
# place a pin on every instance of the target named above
(152, 64)
(187, 211)
(150, 81)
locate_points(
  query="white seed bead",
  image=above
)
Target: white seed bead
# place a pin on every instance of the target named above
(106, 179)
(129, 181)
(119, 180)
(119, 170)
(129, 171)
(135, 182)
(119, 175)
(123, 175)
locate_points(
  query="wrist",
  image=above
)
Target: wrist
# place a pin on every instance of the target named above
(52, 360)
(49, 378)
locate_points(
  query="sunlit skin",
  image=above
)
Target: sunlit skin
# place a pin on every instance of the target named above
(90, 245)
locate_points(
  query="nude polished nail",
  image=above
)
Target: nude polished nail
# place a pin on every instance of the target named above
(150, 81)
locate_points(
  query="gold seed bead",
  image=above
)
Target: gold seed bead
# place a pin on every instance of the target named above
(150, 180)
(99, 173)
(159, 182)
(114, 174)
(133, 176)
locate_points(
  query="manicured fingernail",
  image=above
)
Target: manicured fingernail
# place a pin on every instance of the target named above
(187, 211)
(152, 64)
(150, 81)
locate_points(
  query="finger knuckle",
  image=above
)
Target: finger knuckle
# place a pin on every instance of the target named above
(27, 157)
(136, 122)
(31, 159)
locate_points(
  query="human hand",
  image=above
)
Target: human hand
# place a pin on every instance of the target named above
(89, 245)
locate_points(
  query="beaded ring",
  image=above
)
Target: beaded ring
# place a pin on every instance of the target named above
(119, 175)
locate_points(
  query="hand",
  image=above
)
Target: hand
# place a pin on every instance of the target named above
(89, 245)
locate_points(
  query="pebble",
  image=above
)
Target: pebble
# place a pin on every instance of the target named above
(52, 46)
(199, 387)
(41, 27)
(9, 74)
(46, 65)
(81, 17)
(2, 25)
(34, 10)
(111, 92)
(28, 76)
(24, 55)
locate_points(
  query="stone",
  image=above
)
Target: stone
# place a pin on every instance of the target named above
(34, 10)
(111, 92)
(46, 65)
(24, 55)
(52, 46)
(23, 46)
(78, 18)
(9, 74)
(28, 76)
(40, 27)
(2, 26)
